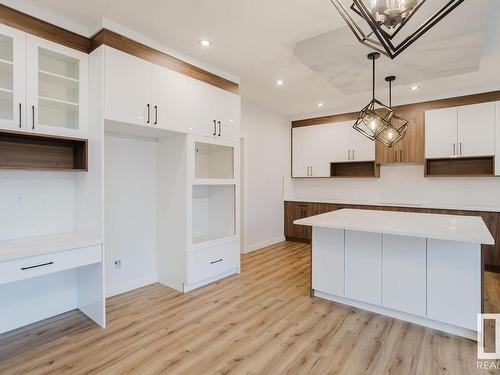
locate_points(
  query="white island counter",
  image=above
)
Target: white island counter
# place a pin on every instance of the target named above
(422, 268)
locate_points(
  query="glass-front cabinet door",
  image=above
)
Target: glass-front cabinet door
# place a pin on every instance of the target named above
(57, 89)
(12, 79)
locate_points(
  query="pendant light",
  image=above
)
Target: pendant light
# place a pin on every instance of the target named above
(398, 126)
(375, 117)
(382, 20)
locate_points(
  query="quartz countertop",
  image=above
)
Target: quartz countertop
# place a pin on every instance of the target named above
(33, 246)
(441, 227)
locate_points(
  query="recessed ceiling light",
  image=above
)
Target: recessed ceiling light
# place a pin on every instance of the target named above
(280, 82)
(205, 43)
(414, 88)
(321, 104)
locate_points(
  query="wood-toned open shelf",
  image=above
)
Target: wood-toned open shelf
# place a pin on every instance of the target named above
(483, 166)
(355, 169)
(28, 151)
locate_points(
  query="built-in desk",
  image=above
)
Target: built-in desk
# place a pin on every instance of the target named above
(44, 276)
(422, 268)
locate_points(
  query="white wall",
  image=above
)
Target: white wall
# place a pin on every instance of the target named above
(36, 203)
(129, 212)
(402, 185)
(266, 162)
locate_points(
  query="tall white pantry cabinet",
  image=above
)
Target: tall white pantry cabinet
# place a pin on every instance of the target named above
(196, 128)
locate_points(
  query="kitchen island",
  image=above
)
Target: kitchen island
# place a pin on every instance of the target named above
(421, 268)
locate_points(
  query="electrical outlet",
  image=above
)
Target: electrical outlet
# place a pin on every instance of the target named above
(118, 264)
(19, 200)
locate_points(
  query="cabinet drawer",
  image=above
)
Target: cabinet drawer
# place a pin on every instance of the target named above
(211, 262)
(25, 268)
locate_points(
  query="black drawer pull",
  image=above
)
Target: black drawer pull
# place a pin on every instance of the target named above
(38, 265)
(216, 261)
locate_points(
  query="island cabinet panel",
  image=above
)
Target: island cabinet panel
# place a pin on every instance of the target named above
(328, 261)
(363, 266)
(454, 282)
(404, 274)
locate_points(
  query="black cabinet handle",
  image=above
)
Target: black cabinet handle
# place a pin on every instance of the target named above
(36, 266)
(219, 128)
(33, 117)
(20, 118)
(215, 127)
(216, 261)
(148, 106)
(156, 114)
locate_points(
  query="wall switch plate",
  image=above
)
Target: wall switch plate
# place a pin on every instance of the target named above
(118, 264)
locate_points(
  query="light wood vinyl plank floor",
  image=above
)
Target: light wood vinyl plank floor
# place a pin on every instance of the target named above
(260, 322)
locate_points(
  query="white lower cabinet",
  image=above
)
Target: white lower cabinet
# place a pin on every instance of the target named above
(328, 260)
(209, 263)
(363, 266)
(451, 296)
(404, 274)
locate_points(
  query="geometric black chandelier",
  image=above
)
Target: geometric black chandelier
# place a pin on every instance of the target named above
(396, 131)
(378, 24)
(375, 117)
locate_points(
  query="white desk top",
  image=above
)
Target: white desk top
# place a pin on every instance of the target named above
(32, 246)
(440, 227)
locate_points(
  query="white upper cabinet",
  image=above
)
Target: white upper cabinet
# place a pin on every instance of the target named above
(476, 130)
(213, 112)
(310, 151)
(57, 89)
(441, 133)
(127, 88)
(12, 79)
(347, 144)
(340, 141)
(169, 99)
(497, 138)
(460, 132)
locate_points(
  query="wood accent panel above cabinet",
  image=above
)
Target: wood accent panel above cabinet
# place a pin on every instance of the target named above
(124, 44)
(422, 106)
(22, 21)
(43, 29)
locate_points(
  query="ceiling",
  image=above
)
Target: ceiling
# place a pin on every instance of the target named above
(305, 43)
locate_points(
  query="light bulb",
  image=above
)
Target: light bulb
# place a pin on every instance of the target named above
(373, 124)
(391, 134)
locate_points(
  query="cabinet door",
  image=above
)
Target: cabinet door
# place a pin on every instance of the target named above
(228, 115)
(363, 266)
(328, 260)
(319, 150)
(454, 282)
(441, 133)
(12, 79)
(340, 141)
(127, 88)
(497, 138)
(362, 148)
(476, 130)
(169, 99)
(404, 275)
(202, 108)
(57, 88)
(300, 152)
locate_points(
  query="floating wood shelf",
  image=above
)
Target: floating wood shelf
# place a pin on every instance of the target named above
(483, 166)
(28, 151)
(355, 169)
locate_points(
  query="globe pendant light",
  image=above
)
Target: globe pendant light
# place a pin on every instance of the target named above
(384, 19)
(375, 117)
(396, 130)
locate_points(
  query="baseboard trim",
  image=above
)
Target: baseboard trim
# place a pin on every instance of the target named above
(263, 244)
(296, 239)
(131, 285)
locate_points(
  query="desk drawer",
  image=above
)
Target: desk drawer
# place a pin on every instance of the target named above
(25, 268)
(208, 263)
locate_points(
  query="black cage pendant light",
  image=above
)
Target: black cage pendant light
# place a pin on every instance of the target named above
(382, 20)
(376, 116)
(396, 130)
